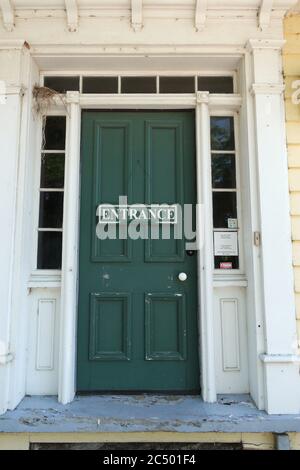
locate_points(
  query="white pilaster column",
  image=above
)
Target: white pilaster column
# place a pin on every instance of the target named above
(14, 79)
(205, 256)
(282, 380)
(67, 354)
(10, 109)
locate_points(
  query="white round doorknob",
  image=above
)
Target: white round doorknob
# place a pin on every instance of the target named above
(182, 277)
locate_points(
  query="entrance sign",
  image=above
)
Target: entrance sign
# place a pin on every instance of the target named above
(226, 243)
(159, 213)
(152, 221)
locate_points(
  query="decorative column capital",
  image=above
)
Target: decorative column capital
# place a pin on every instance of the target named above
(10, 89)
(267, 89)
(253, 45)
(202, 97)
(73, 97)
(15, 44)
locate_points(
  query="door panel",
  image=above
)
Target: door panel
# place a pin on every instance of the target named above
(137, 323)
(110, 327)
(165, 327)
(164, 182)
(112, 150)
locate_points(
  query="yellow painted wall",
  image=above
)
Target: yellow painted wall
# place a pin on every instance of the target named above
(291, 63)
(250, 441)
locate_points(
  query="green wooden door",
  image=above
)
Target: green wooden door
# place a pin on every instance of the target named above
(137, 325)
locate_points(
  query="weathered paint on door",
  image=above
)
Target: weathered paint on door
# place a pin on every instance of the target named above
(137, 325)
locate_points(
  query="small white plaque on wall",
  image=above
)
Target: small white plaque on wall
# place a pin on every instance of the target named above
(226, 243)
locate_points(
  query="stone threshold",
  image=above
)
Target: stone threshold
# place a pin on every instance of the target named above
(144, 413)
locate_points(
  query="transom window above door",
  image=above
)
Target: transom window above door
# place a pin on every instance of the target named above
(141, 84)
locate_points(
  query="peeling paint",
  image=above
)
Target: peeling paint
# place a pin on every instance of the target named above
(144, 413)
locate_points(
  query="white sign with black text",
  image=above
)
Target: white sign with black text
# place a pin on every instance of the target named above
(226, 243)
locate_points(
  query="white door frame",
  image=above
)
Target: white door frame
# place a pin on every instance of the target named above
(273, 364)
(202, 103)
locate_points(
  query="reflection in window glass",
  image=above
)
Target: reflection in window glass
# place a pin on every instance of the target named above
(52, 170)
(170, 84)
(176, 84)
(51, 209)
(222, 133)
(224, 208)
(224, 192)
(216, 84)
(138, 85)
(100, 85)
(223, 171)
(55, 133)
(62, 84)
(49, 250)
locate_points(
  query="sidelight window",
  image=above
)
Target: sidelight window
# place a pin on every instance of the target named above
(51, 193)
(224, 193)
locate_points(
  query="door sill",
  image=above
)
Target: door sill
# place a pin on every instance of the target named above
(139, 392)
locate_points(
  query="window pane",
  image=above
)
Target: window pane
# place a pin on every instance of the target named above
(176, 85)
(49, 250)
(215, 84)
(138, 84)
(232, 260)
(222, 133)
(224, 208)
(100, 85)
(52, 170)
(62, 84)
(55, 133)
(223, 171)
(51, 209)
